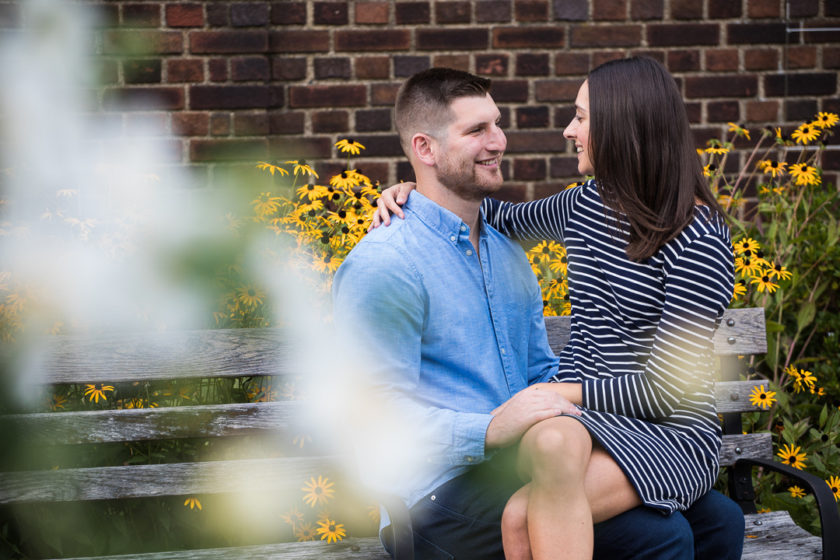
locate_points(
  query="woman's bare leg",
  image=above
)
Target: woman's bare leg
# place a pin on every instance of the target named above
(515, 526)
(572, 486)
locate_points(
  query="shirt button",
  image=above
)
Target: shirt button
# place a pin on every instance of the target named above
(452, 238)
(463, 228)
(433, 498)
(469, 252)
(468, 459)
(502, 350)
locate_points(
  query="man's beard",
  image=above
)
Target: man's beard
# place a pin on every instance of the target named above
(464, 179)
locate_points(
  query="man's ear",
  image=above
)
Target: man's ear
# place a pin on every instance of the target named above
(424, 148)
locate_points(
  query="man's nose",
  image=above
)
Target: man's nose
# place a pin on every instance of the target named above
(498, 140)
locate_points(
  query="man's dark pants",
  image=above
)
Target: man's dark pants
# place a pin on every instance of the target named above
(462, 520)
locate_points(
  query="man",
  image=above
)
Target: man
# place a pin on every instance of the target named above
(454, 315)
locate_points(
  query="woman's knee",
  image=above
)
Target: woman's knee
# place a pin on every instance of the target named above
(515, 514)
(560, 446)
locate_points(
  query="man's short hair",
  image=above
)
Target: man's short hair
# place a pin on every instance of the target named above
(423, 101)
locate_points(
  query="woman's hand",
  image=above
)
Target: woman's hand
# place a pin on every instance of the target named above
(390, 202)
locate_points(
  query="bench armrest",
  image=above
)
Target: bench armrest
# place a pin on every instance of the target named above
(400, 526)
(826, 504)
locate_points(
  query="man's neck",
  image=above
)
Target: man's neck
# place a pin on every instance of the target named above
(467, 210)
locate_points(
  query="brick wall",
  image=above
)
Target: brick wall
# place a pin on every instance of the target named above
(234, 81)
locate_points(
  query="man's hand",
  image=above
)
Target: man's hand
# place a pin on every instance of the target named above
(523, 410)
(389, 202)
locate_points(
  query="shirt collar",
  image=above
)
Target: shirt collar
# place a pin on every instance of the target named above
(439, 218)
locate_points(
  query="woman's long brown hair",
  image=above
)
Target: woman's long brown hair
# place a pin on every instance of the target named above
(643, 153)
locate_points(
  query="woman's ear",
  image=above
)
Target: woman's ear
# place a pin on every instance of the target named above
(424, 148)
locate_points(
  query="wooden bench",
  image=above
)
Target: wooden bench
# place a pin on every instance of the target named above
(262, 352)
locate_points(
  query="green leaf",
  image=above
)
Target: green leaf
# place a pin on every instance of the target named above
(805, 315)
(823, 416)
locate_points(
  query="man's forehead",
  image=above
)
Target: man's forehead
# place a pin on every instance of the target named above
(473, 108)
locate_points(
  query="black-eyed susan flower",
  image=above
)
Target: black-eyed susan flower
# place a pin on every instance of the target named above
(573, 185)
(271, 168)
(192, 503)
(717, 150)
(318, 492)
(805, 174)
(293, 517)
(311, 192)
(825, 120)
(349, 146)
(250, 296)
(57, 402)
(763, 398)
(805, 133)
(804, 380)
(739, 130)
(763, 281)
(746, 244)
(779, 271)
(327, 263)
(96, 391)
(747, 266)
(772, 167)
(331, 531)
(305, 532)
(796, 491)
(300, 167)
(266, 204)
(344, 180)
(834, 483)
(739, 289)
(793, 456)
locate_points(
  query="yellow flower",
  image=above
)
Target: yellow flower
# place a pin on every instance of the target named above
(772, 167)
(796, 491)
(293, 517)
(804, 379)
(266, 204)
(331, 531)
(834, 484)
(826, 120)
(249, 296)
(746, 266)
(763, 510)
(345, 180)
(94, 392)
(373, 513)
(716, 150)
(739, 130)
(763, 398)
(349, 146)
(311, 191)
(57, 401)
(264, 393)
(305, 532)
(792, 456)
(318, 492)
(301, 167)
(805, 133)
(544, 251)
(739, 289)
(271, 168)
(327, 263)
(805, 174)
(748, 244)
(193, 503)
(572, 185)
(764, 282)
(779, 271)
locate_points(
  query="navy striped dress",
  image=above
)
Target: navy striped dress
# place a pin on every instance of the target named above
(640, 340)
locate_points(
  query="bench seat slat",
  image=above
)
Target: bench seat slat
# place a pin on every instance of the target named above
(734, 396)
(280, 476)
(365, 548)
(742, 446)
(106, 426)
(122, 357)
(777, 537)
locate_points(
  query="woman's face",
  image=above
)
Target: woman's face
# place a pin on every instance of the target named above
(578, 130)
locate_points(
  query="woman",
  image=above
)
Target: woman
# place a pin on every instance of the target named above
(650, 271)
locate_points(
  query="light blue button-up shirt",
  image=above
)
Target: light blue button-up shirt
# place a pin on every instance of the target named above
(455, 333)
